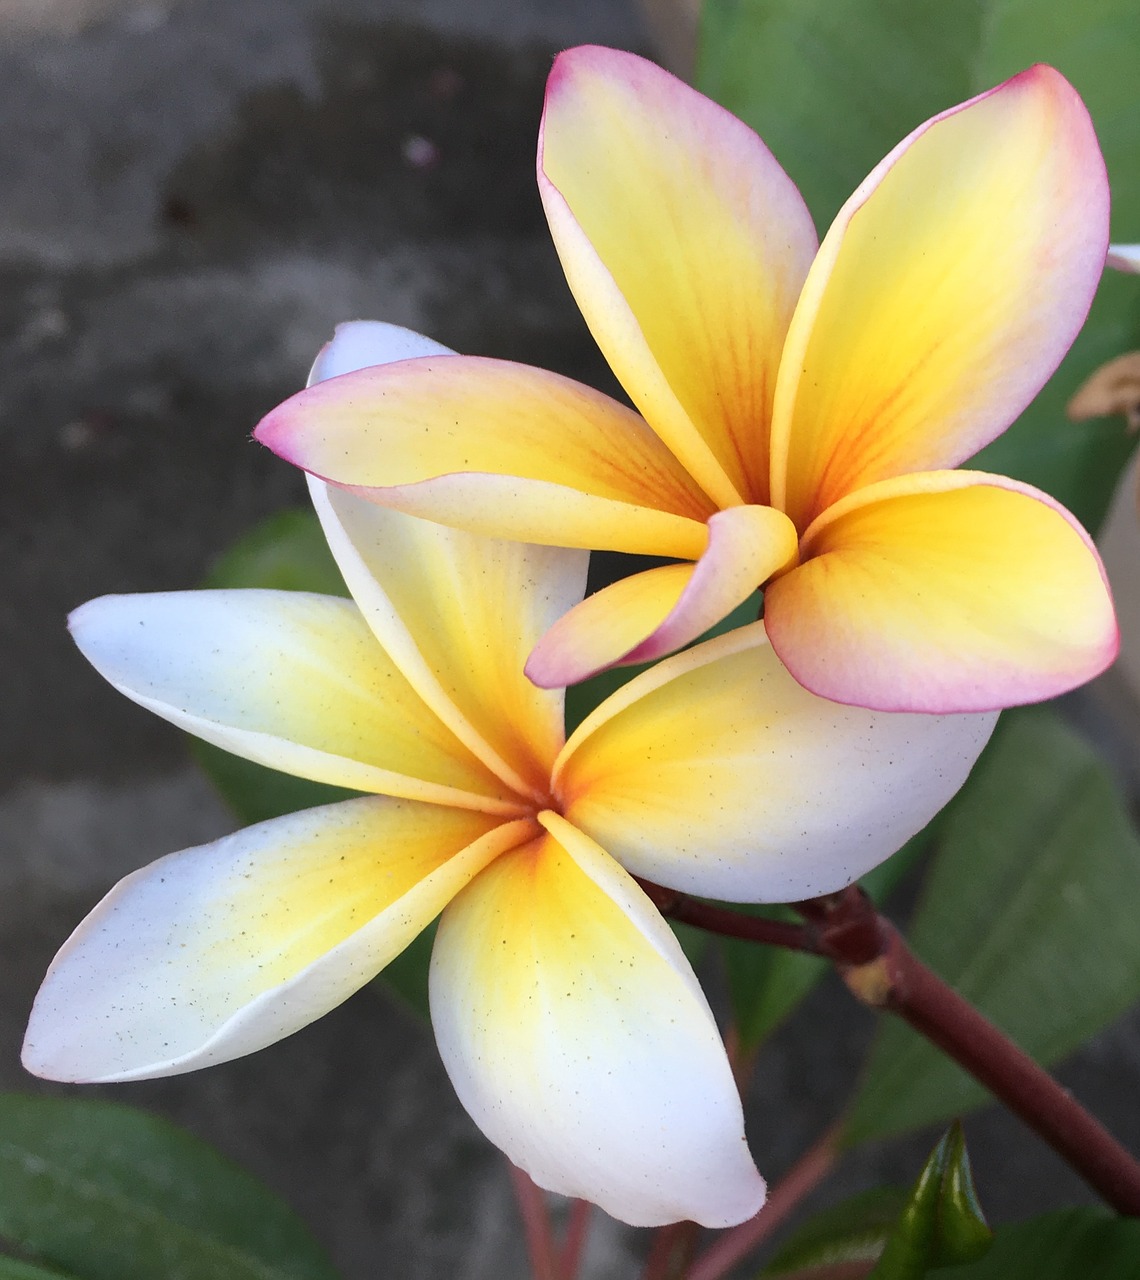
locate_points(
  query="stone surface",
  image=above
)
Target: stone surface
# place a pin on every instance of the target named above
(192, 195)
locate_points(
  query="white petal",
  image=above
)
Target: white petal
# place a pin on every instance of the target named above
(1124, 257)
(578, 1038)
(294, 681)
(716, 773)
(358, 344)
(459, 613)
(213, 952)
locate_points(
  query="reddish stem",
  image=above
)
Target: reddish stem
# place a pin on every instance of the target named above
(939, 1013)
(574, 1241)
(881, 970)
(670, 1252)
(726, 922)
(536, 1224)
(801, 1179)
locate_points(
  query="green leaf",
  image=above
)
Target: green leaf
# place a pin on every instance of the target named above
(110, 1193)
(1028, 911)
(833, 85)
(256, 793)
(854, 1231)
(1072, 1244)
(11, 1269)
(286, 552)
(942, 1222)
(766, 983)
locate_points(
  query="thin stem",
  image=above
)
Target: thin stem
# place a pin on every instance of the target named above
(726, 922)
(881, 971)
(574, 1241)
(801, 1179)
(670, 1252)
(536, 1224)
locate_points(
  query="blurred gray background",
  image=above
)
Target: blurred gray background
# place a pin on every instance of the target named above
(191, 195)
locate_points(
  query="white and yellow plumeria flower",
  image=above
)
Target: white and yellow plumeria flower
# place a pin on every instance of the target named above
(801, 409)
(567, 1016)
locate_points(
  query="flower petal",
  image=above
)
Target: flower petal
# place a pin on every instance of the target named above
(579, 1040)
(716, 773)
(685, 245)
(213, 952)
(948, 591)
(497, 448)
(944, 295)
(644, 617)
(293, 681)
(458, 613)
(358, 344)
(1124, 257)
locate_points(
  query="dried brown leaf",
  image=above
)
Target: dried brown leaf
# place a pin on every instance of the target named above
(1113, 388)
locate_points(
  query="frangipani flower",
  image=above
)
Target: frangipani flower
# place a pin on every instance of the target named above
(567, 1016)
(800, 411)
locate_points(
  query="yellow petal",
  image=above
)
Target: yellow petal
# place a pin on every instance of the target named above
(947, 591)
(579, 1040)
(291, 680)
(214, 952)
(497, 448)
(716, 773)
(644, 617)
(685, 245)
(944, 295)
(458, 613)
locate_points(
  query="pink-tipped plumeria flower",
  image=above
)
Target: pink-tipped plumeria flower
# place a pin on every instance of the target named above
(567, 1016)
(799, 410)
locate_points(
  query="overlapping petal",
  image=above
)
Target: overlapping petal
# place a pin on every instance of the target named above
(945, 293)
(645, 616)
(293, 681)
(685, 245)
(359, 344)
(716, 773)
(1124, 257)
(949, 591)
(459, 613)
(214, 952)
(496, 448)
(578, 1038)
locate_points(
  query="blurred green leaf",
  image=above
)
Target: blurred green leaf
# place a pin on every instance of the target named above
(256, 793)
(111, 1193)
(854, 1231)
(942, 1222)
(1073, 1244)
(11, 1269)
(1028, 911)
(766, 983)
(833, 85)
(285, 552)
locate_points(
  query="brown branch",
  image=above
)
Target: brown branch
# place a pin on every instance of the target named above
(881, 971)
(726, 922)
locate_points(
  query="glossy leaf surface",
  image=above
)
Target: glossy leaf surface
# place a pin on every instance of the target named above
(104, 1192)
(1028, 911)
